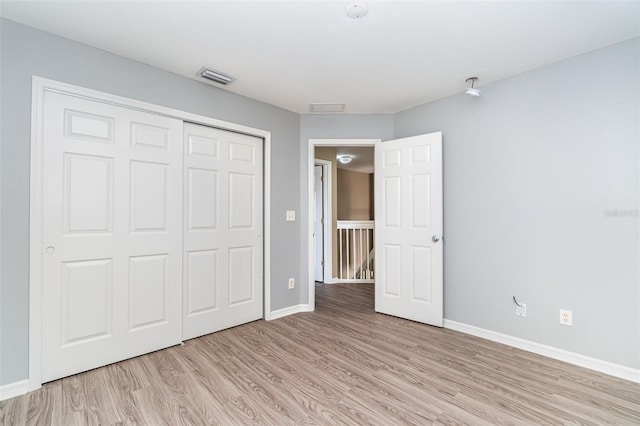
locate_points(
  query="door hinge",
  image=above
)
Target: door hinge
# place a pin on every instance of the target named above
(322, 178)
(322, 220)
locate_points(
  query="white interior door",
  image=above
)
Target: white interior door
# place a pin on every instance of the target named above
(112, 234)
(223, 248)
(318, 224)
(408, 228)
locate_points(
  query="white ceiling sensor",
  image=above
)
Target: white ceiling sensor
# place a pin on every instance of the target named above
(216, 76)
(326, 107)
(357, 10)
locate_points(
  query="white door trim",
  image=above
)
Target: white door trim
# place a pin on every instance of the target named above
(327, 270)
(310, 175)
(39, 87)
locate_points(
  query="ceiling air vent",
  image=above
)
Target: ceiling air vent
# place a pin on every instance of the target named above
(326, 108)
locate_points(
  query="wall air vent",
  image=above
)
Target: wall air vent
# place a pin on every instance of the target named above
(216, 76)
(326, 108)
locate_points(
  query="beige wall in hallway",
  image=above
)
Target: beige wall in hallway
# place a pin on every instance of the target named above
(355, 199)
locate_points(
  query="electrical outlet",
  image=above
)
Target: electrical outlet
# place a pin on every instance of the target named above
(566, 317)
(292, 283)
(521, 310)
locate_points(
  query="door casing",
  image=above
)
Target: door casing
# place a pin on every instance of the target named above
(39, 87)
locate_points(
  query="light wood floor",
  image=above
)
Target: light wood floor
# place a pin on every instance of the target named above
(343, 364)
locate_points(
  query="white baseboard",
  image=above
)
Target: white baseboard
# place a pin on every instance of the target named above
(287, 311)
(11, 390)
(606, 367)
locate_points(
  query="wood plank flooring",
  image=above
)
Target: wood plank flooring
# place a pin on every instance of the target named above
(341, 365)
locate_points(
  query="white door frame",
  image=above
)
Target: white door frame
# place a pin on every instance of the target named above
(39, 87)
(311, 150)
(327, 269)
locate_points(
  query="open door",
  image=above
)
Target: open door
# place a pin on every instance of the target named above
(318, 223)
(408, 228)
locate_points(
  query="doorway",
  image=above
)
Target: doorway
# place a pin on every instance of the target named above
(313, 143)
(408, 225)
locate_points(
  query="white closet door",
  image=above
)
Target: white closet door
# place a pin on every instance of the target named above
(112, 185)
(223, 248)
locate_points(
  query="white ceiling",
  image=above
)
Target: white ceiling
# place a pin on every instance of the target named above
(292, 53)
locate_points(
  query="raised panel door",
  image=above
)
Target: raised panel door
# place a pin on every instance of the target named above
(223, 248)
(408, 227)
(112, 262)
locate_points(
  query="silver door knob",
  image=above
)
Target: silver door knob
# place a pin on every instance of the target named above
(50, 249)
(435, 239)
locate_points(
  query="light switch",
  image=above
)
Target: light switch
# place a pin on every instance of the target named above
(291, 216)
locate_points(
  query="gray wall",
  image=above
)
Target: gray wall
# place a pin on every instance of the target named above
(26, 52)
(534, 172)
(356, 126)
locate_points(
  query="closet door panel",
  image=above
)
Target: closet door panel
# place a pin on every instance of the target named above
(112, 233)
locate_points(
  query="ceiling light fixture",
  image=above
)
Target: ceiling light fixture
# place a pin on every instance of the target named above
(216, 76)
(345, 159)
(357, 10)
(470, 90)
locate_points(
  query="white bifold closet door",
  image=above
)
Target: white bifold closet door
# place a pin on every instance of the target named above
(223, 226)
(112, 233)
